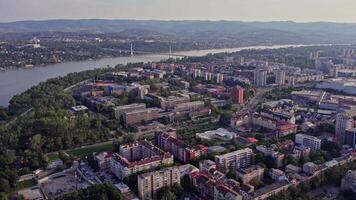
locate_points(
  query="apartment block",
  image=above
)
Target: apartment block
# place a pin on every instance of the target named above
(150, 183)
(249, 173)
(309, 141)
(136, 157)
(236, 159)
(178, 148)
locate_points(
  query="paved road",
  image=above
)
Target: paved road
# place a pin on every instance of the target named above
(252, 103)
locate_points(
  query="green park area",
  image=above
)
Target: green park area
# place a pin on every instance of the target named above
(83, 151)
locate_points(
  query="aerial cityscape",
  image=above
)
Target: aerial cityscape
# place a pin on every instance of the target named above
(177, 100)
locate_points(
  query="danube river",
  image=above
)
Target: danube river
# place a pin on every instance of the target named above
(15, 81)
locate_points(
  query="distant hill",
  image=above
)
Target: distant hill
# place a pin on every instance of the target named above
(264, 32)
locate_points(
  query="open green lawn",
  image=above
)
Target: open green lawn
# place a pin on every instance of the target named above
(24, 184)
(82, 152)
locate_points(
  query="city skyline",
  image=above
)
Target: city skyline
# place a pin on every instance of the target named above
(232, 10)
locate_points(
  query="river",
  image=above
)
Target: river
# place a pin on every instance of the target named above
(15, 81)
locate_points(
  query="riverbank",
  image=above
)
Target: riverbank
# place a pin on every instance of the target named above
(16, 81)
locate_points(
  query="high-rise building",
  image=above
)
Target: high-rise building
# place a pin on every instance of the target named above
(197, 73)
(309, 141)
(280, 76)
(238, 94)
(260, 78)
(207, 75)
(236, 159)
(343, 122)
(219, 78)
(350, 138)
(149, 183)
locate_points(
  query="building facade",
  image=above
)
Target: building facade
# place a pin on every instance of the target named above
(234, 160)
(136, 157)
(312, 142)
(150, 183)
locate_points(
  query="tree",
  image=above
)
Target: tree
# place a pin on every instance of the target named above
(257, 183)
(166, 194)
(225, 119)
(3, 196)
(4, 185)
(128, 138)
(177, 189)
(186, 183)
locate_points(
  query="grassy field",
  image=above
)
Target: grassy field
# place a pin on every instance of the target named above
(23, 184)
(82, 152)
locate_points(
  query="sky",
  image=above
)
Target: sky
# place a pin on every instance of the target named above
(244, 10)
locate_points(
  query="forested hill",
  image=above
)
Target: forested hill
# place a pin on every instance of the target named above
(264, 32)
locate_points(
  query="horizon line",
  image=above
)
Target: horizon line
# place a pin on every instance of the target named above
(177, 20)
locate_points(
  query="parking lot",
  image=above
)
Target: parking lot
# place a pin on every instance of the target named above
(104, 176)
(58, 185)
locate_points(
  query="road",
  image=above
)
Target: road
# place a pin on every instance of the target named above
(15, 118)
(252, 103)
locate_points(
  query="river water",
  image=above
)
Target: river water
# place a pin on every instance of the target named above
(15, 81)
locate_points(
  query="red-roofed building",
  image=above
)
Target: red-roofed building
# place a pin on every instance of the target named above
(136, 157)
(252, 140)
(103, 159)
(280, 128)
(178, 148)
(209, 188)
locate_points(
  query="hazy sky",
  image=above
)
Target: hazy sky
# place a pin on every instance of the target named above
(247, 10)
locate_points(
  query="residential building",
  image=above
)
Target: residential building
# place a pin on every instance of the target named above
(280, 76)
(280, 128)
(236, 159)
(237, 94)
(293, 169)
(310, 168)
(260, 78)
(343, 122)
(150, 183)
(350, 138)
(178, 148)
(349, 181)
(103, 159)
(209, 188)
(136, 157)
(312, 142)
(277, 175)
(301, 151)
(277, 156)
(249, 173)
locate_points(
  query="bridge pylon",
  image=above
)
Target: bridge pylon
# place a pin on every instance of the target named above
(132, 52)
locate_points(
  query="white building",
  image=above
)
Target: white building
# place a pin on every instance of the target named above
(280, 76)
(260, 78)
(236, 159)
(309, 141)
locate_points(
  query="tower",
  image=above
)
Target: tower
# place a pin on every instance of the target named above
(132, 53)
(260, 78)
(343, 123)
(170, 51)
(280, 76)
